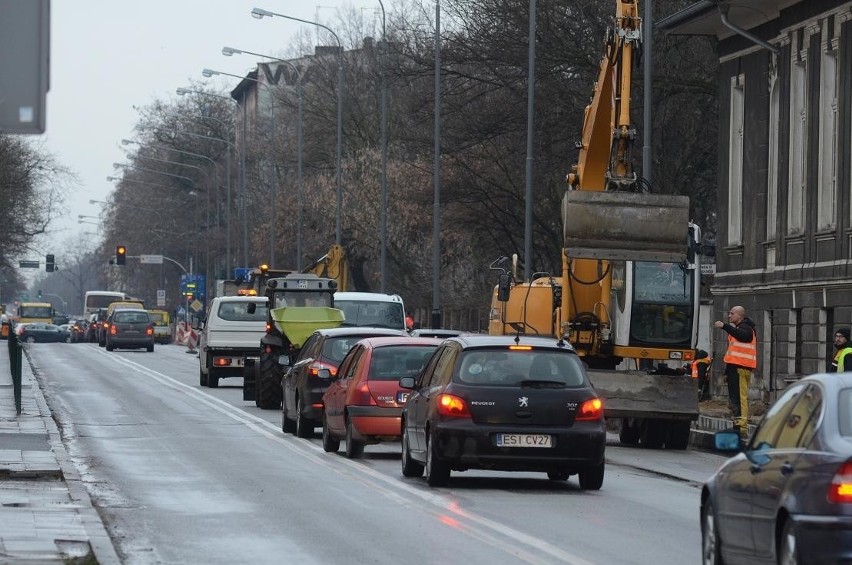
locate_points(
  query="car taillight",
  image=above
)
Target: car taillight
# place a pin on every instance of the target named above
(149, 330)
(449, 405)
(222, 361)
(268, 328)
(840, 489)
(361, 396)
(106, 325)
(112, 330)
(591, 409)
(313, 370)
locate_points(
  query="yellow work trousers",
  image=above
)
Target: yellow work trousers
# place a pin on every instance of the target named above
(744, 377)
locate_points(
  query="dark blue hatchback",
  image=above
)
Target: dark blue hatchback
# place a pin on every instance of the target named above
(503, 403)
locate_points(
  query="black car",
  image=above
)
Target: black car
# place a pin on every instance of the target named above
(787, 498)
(39, 332)
(303, 387)
(503, 403)
(129, 329)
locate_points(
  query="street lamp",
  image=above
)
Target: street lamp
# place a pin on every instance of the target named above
(229, 51)
(383, 254)
(260, 14)
(273, 186)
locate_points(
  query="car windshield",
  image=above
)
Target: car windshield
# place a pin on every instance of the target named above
(505, 367)
(392, 362)
(239, 312)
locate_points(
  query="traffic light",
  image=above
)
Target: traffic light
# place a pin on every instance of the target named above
(39, 294)
(49, 263)
(120, 255)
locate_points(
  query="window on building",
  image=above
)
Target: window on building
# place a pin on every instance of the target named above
(798, 145)
(772, 181)
(735, 161)
(827, 190)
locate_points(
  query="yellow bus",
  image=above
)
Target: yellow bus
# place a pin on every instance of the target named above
(34, 312)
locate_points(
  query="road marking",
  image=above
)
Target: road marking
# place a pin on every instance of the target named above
(442, 504)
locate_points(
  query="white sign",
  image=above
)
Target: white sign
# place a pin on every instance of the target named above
(708, 268)
(161, 301)
(151, 259)
(161, 294)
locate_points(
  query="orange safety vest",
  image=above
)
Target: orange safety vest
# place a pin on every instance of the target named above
(742, 354)
(696, 363)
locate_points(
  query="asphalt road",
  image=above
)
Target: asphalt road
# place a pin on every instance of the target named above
(186, 474)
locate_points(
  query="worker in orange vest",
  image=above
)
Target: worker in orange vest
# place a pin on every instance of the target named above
(699, 372)
(740, 362)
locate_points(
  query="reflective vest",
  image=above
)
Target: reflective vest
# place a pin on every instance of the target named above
(696, 363)
(742, 354)
(839, 357)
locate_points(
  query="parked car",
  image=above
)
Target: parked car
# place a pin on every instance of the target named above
(39, 332)
(363, 403)
(503, 403)
(302, 385)
(787, 497)
(129, 328)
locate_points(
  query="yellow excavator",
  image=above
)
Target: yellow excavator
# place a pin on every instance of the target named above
(627, 297)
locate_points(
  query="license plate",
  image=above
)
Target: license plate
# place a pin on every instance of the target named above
(524, 440)
(401, 397)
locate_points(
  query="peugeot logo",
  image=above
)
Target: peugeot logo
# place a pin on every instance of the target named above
(524, 402)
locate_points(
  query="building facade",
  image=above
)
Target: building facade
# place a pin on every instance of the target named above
(784, 241)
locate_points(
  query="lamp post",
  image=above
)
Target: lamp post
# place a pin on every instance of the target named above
(273, 184)
(229, 51)
(383, 254)
(181, 92)
(260, 14)
(436, 207)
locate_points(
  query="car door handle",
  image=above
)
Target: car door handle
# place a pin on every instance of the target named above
(787, 468)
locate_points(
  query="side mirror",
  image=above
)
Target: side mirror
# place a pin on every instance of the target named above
(504, 285)
(728, 441)
(407, 382)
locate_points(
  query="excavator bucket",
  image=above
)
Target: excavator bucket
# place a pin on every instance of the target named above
(636, 394)
(625, 226)
(298, 323)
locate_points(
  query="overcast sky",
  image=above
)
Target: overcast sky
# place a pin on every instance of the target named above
(108, 56)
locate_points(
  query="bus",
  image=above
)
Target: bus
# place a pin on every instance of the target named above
(34, 312)
(96, 299)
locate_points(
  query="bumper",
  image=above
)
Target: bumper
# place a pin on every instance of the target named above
(824, 539)
(312, 404)
(231, 363)
(466, 445)
(376, 422)
(130, 342)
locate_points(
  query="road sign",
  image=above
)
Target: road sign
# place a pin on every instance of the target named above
(196, 305)
(28, 264)
(708, 268)
(241, 273)
(151, 259)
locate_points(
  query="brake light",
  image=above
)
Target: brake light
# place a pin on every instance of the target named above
(222, 361)
(313, 370)
(149, 330)
(520, 348)
(268, 328)
(453, 406)
(840, 489)
(112, 330)
(591, 409)
(361, 396)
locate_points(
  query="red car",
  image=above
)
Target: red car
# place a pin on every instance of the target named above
(364, 402)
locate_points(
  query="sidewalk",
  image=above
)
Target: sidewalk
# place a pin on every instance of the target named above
(46, 515)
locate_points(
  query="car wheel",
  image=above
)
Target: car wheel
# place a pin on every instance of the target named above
(110, 347)
(788, 554)
(30, 339)
(354, 448)
(212, 380)
(304, 425)
(559, 475)
(410, 467)
(437, 471)
(267, 387)
(678, 435)
(711, 545)
(288, 426)
(653, 433)
(202, 378)
(330, 444)
(68, 339)
(151, 348)
(591, 478)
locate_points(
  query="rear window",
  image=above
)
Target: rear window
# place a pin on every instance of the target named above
(157, 318)
(844, 412)
(239, 312)
(392, 362)
(504, 367)
(131, 318)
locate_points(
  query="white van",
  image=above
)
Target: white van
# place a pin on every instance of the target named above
(230, 334)
(372, 309)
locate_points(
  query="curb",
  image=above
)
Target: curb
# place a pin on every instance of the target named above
(99, 540)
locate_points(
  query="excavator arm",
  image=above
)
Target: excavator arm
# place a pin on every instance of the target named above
(332, 265)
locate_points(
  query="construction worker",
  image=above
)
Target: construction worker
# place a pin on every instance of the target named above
(842, 361)
(740, 362)
(699, 372)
